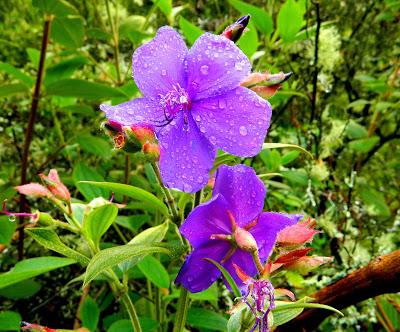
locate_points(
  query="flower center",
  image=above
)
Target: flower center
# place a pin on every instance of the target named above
(175, 101)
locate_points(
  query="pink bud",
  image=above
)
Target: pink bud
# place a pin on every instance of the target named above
(57, 188)
(297, 234)
(265, 91)
(307, 263)
(143, 134)
(280, 292)
(151, 151)
(245, 240)
(33, 189)
(254, 78)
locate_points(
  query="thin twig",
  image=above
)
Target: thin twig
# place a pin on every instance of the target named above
(315, 77)
(31, 123)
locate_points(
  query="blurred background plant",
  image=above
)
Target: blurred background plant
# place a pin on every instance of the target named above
(341, 104)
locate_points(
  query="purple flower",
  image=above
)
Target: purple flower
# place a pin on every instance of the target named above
(236, 205)
(193, 100)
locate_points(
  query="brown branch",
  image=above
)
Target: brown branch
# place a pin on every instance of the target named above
(380, 276)
(315, 75)
(29, 130)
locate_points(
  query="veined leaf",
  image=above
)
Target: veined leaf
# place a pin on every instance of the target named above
(207, 319)
(7, 90)
(111, 257)
(50, 240)
(32, 267)
(283, 145)
(290, 20)
(16, 73)
(133, 192)
(154, 271)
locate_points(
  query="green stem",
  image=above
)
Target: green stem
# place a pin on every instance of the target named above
(181, 313)
(169, 198)
(131, 311)
(115, 37)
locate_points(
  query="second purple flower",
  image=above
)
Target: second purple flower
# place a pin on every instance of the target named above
(193, 100)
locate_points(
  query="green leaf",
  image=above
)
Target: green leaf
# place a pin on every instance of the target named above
(82, 172)
(98, 221)
(290, 20)
(210, 294)
(364, 145)
(32, 267)
(63, 69)
(355, 130)
(165, 6)
(125, 325)
(16, 73)
(154, 271)
(207, 319)
(7, 230)
(227, 277)
(22, 290)
(94, 145)
(283, 145)
(133, 192)
(298, 304)
(90, 314)
(68, 31)
(34, 56)
(133, 222)
(189, 30)
(284, 316)
(111, 257)
(131, 28)
(151, 235)
(375, 200)
(148, 236)
(78, 109)
(56, 7)
(261, 19)
(7, 90)
(287, 158)
(249, 41)
(83, 89)
(50, 240)
(9, 321)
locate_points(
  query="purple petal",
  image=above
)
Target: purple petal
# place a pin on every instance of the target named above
(245, 262)
(243, 191)
(208, 218)
(186, 156)
(267, 228)
(196, 273)
(158, 64)
(215, 66)
(136, 111)
(235, 122)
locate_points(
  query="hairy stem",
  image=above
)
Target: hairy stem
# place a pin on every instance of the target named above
(114, 32)
(168, 196)
(126, 300)
(181, 313)
(29, 130)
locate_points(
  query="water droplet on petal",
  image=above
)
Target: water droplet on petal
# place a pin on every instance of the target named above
(243, 130)
(187, 188)
(202, 129)
(213, 140)
(239, 65)
(197, 118)
(163, 72)
(222, 103)
(204, 69)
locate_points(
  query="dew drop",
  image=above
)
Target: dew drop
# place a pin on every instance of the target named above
(239, 65)
(197, 118)
(11, 218)
(222, 103)
(213, 140)
(187, 188)
(202, 129)
(163, 72)
(243, 131)
(200, 179)
(204, 69)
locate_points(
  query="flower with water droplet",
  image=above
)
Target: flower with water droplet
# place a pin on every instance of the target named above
(229, 228)
(189, 95)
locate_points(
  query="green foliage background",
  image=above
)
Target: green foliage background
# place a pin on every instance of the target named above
(343, 108)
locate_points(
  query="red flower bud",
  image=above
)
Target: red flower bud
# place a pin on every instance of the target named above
(151, 151)
(34, 189)
(57, 188)
(235, 30)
